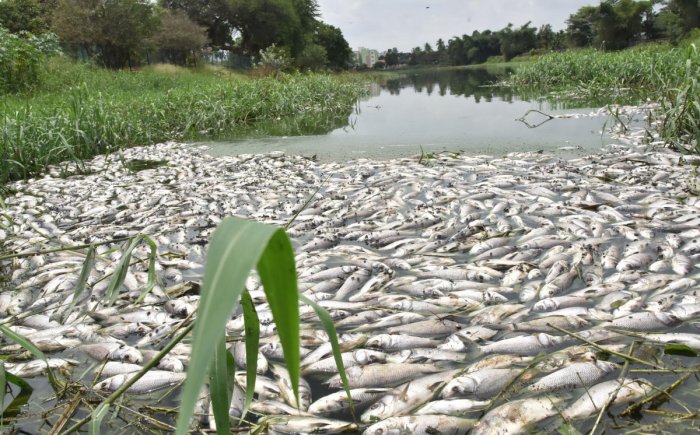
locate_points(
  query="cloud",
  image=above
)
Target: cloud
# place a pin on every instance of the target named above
(405, 24)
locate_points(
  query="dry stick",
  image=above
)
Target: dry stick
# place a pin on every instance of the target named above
(114, 396)
(517, 378)
(65, 248)
(665, 392)
(612, 397)
(599, 347)
(306, 204)
(65, 417)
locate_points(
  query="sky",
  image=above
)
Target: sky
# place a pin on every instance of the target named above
(404, 24)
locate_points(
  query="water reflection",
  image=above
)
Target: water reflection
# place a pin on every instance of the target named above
(477, 82)
(433, 109)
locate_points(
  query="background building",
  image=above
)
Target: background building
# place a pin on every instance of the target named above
(365, 56)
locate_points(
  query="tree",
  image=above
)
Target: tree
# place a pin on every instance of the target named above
(22, 15)
(546, 37)
(618, 23)
(679, 17)
(392, 57)
(313, 57)
(579, 30)
(178, 36)
(519, 41)
(217, 16)
(338, 50)
(116, 28)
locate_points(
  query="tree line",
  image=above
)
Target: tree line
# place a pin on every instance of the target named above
(611, 25)
(120, 33)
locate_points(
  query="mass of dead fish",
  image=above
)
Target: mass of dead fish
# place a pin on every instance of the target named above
(462, 291)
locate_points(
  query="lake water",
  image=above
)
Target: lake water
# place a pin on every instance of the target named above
(436, 110)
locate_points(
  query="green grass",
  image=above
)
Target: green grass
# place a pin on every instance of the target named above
(80, 111)
(658, 72)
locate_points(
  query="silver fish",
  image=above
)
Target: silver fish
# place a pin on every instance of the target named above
(613, 392)
(150, 381)
(574, 376)
(422, 424)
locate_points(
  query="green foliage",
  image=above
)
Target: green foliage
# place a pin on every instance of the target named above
(84, 111)
(519, 41)
(312, 58)
(178, 36)
(21, 57)
(115, 28)
(274, 59)
(224, 279)
(22, 16)
(657, 72)
(338, 51)
(680, 17)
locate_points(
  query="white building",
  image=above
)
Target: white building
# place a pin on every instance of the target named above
(366, 56)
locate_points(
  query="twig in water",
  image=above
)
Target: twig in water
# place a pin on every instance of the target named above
(599, 347)
(665, 392)
(152, 363)
(612, 397)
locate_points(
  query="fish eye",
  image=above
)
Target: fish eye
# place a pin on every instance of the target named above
(379, 432)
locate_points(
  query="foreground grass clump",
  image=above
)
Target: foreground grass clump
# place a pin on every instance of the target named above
(81, 111)
(658, 72)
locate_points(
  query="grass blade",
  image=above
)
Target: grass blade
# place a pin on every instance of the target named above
(252, 339)
(328, 325)
(97, 416)
(151, 269)
(235, 248)
(120, 271)
(82, 280)
(3, 389)
(34, 351)
(25, 392)
(219, 387)
(278, 275)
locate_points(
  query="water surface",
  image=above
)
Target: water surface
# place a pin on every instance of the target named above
(433, 110)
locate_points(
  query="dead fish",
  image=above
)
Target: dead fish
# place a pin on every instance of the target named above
(514, 417)
(455, 407)
(382, 375)
(299, 424)
(113, 351)
(574, 376)
(646, 321)
(285, 386)
(406, 397)
(422, 424)
(614, 392)
(523, 345)
(150, 381)
(355, 358)
(482, 384)
(391, 342)
(338, 401)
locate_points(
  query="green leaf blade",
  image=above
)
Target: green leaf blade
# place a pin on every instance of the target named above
(277, 272)
(328, 325)
(219, 387)
(252, 339)
(235, 248)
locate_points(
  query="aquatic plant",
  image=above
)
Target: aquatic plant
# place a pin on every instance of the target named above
(655, 72)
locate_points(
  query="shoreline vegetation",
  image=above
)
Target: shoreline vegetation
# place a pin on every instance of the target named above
(80, 111)
(652, 72)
